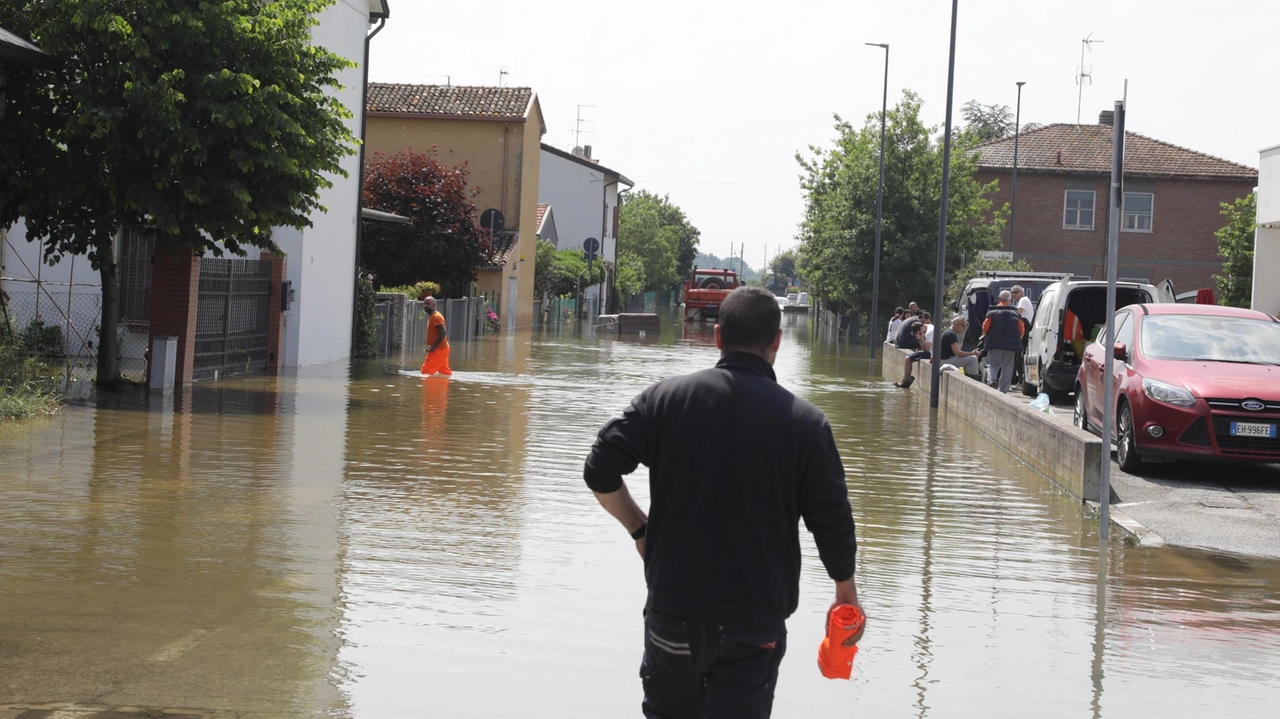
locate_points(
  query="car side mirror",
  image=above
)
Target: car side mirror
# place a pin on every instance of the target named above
(1120, 351)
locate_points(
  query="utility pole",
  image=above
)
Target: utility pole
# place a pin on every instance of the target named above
(875, 272)
(1113, 241)
(1013, 198)
(936, 385)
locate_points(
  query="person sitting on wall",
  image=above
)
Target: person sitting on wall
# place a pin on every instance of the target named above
(919, 331)
(895, 324)
(907, 333)
(950, 352)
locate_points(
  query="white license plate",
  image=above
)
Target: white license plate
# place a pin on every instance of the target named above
(1252, 429)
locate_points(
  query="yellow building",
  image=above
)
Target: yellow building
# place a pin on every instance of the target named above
(498, 132)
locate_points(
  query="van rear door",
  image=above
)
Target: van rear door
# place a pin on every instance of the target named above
(1165, 293)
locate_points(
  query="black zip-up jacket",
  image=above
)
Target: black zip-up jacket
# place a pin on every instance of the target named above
(734, 462)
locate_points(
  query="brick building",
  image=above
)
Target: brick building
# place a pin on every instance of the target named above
(1171, 207)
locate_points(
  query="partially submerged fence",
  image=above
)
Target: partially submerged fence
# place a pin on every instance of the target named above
(402, 322)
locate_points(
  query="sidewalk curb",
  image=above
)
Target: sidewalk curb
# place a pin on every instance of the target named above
(1130, 526)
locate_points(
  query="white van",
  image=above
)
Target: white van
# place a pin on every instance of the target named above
(1051, 362)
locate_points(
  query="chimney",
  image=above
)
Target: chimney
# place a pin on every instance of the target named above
(1107, 117)
(586, 151)
(577, 152)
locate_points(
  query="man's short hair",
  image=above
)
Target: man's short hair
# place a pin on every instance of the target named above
(926, 316)
(959, 319)
(1005, 295)
(1018, 288)
(749, 319)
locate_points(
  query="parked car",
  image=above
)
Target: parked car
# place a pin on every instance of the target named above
(1189, 381)
(1052, 359)
(982, 292)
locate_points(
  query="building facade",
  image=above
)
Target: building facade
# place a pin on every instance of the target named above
(1172, 203)
(1266, 251)
(497, 132)
(585, 195)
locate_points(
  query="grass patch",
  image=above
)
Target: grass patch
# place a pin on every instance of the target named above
(26, 389)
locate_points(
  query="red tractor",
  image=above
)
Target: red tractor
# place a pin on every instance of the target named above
(705, 290)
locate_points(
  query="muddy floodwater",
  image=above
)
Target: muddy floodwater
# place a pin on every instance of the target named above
(352, 541)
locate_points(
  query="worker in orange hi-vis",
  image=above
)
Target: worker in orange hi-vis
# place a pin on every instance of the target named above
(437, 359)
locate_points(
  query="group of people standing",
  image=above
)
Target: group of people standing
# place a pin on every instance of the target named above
(1004, 333)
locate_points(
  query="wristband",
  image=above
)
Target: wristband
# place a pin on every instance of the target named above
(639, 533)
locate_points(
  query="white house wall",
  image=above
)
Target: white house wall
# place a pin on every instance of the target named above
(582, 200)
(1266, 253)
(321, 259)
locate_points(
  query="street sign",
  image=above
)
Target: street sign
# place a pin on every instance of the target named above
(591, 246)
(995, 255)
(492, 220)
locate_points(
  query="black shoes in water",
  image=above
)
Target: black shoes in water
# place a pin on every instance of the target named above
(906, 381)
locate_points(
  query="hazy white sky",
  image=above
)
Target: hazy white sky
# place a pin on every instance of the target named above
(708, 100)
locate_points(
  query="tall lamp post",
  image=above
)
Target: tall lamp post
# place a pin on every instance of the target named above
(875, 272)
(1017, 131)
(936, 383)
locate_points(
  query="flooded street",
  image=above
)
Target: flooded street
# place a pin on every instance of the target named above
(357, 542)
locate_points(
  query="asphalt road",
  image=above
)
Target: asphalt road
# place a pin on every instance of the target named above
(1221, 507)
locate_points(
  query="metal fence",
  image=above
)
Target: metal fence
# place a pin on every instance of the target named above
(651, 301)
(563, 310)
(402, 324)
(232, 317)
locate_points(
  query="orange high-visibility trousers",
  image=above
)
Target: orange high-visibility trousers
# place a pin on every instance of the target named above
(436, 361)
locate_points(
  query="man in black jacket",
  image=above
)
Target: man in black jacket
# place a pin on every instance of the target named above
(734, 462)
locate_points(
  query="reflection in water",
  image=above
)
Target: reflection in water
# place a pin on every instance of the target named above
(370, 544)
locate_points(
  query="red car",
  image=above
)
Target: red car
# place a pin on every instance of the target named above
(1190, 381)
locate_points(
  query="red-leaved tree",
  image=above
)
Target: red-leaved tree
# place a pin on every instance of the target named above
(443, 243)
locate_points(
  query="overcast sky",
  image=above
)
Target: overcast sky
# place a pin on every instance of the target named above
(709, 101)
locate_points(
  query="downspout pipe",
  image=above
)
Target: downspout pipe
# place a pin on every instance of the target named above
(364, 124)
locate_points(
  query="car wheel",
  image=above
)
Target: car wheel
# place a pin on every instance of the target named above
(1081, 416)
(1029, 389)
(1126, 452)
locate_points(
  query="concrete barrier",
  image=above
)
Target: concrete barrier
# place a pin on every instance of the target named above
(1069, 456)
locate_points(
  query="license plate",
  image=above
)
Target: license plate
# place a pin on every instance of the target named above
(1253, 429)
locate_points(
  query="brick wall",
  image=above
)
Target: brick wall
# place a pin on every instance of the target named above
(175, 288)
(1181, 245)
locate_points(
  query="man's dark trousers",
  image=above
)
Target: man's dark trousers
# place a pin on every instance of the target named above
(699, 669)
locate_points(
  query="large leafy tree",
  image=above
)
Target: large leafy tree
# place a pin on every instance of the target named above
(987, 122)
(443, 243)
(208, 122)
(837, 235)
(782, 271)
(655, 235)
(1235, 244)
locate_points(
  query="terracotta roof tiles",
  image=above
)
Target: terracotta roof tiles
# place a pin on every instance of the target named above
(461, 101)
(1086, 149)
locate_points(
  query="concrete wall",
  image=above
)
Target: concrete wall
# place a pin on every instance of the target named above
(1181, 245)
(1070, 457)
(1266, 253)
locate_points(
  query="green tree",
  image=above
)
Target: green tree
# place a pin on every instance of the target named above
(1235, 244)
(837, 234)
(782, 271)
(659, 236)
(986, 122)
(209, 122)
(557, 273)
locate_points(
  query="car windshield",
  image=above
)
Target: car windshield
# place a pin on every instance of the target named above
(1211, 338)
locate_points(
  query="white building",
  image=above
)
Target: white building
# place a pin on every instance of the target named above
(1266, 249)
(583, 195)
(320, 261)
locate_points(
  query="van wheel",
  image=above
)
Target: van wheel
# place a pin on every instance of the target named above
(1126, 451)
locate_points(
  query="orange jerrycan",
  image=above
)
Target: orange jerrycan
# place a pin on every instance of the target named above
(834, 658)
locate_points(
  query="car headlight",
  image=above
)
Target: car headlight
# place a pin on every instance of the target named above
(1167, 393)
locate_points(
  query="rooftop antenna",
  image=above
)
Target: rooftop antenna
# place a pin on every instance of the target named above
(1083, 73)
(577, 128)
(502, 74)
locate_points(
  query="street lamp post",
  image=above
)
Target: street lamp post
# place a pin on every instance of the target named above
(1017, 131)
(875, 272)
(936, 383)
